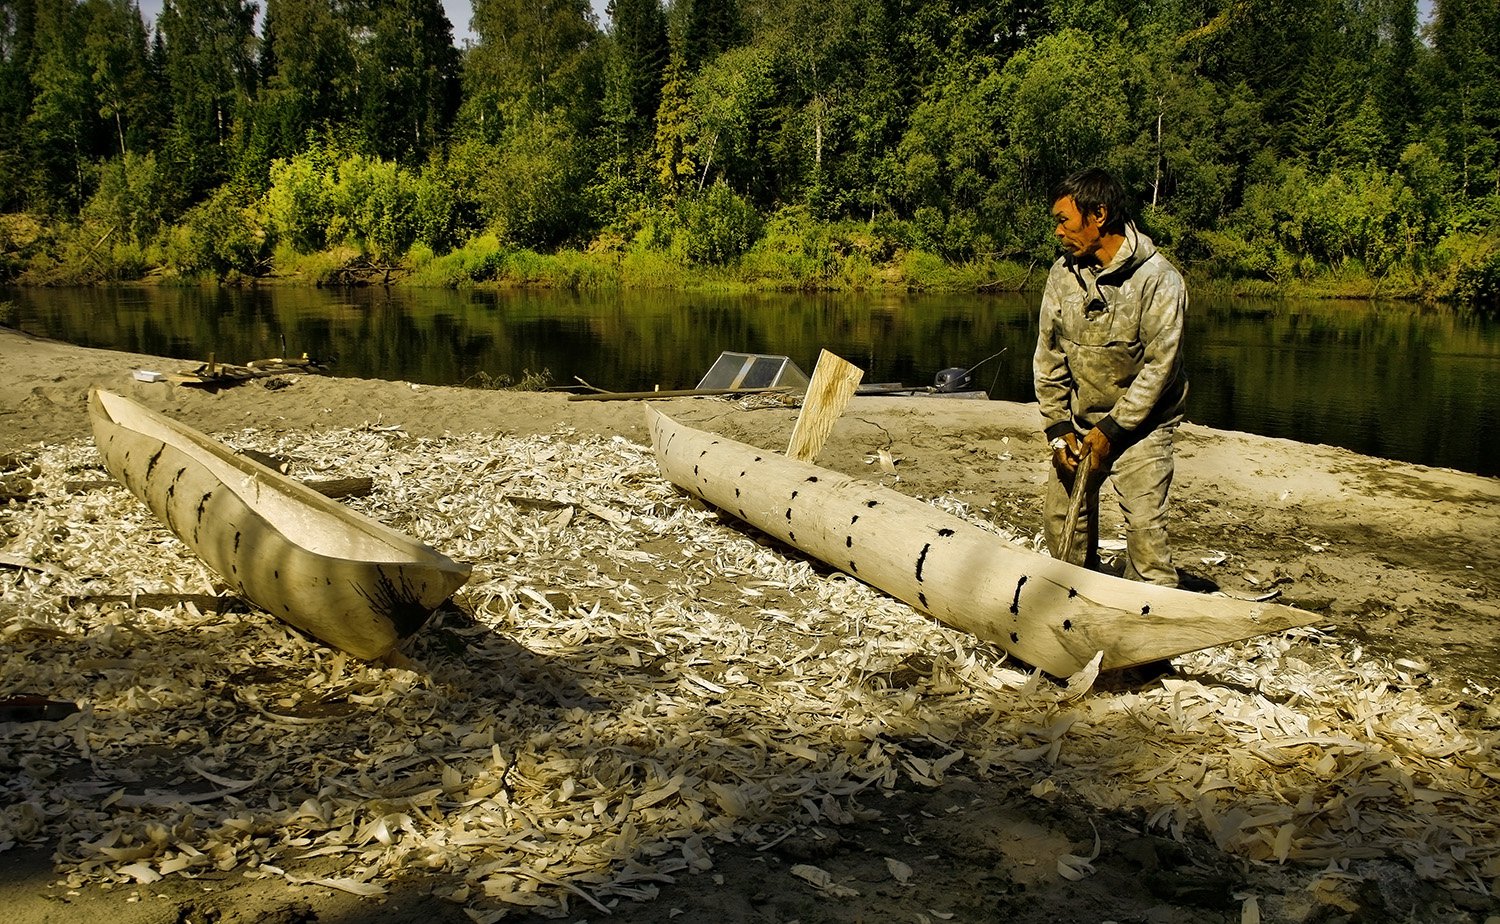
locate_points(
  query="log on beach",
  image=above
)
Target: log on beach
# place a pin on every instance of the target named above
(1045, 612)
(338, 575)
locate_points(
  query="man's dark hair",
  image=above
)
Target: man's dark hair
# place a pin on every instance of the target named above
(1093, 187)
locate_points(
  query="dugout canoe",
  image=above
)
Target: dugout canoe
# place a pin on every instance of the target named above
(1045, 612)
(342, 577)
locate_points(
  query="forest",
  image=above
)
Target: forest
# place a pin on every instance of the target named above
(1341, 148)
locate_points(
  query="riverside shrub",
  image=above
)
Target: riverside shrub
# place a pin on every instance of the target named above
(718, 226)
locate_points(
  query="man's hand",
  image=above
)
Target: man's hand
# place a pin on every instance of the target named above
(1096, 445)
(1066, 451)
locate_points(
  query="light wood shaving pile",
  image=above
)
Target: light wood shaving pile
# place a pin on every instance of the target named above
(628, 679)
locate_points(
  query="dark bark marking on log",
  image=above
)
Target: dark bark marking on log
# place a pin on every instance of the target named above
(854, 519)
(1146, 610)
(922, 561)
(848, 542)
(922, 598)
(813, 478)
(155, 458)
(1015, 605)
(853, 567)
(202, 504)
(945, 532)
(1072, 592)
(1014, 637)
(1067, 625)
(397, 603)
(172, 493)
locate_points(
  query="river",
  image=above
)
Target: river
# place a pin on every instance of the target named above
(1388, 380)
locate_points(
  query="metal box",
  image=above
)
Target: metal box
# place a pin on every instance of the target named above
(753, 370)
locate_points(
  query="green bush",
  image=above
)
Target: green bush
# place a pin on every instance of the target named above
(323, 198)
(325, 267)
(526, 189)
(82, 255)
(441, 213)
(373, 206)
(1470, 274)
(130, 198)
(657, 230)
(418, 256)
(479, 259)
(299, 204)
(641, 268)
(221, 236)
(1478, 286)
(127, 260)
(718, 226)
(566, 269)
(794, 251)
(1228, 253)
(923, 269)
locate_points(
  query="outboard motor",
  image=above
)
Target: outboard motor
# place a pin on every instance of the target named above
(955, 379)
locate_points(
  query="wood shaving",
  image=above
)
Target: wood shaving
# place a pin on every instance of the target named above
(628, 679)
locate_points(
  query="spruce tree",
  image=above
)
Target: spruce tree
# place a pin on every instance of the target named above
(713, 27)
(640, 33)
(1465, 94)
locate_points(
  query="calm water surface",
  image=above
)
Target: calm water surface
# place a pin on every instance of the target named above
(1385, 380)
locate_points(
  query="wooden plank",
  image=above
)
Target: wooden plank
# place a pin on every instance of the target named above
(361, 486)
(834, 380)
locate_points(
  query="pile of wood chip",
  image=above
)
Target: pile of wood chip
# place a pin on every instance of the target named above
(627, 679)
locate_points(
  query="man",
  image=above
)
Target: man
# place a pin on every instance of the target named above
(1109, 372)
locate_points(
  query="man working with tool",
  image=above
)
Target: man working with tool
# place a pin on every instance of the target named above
(1109, 376)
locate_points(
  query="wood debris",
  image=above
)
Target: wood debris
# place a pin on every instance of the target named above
(217, 374)
(617, 692)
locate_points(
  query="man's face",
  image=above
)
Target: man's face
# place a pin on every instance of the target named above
(1079, 234)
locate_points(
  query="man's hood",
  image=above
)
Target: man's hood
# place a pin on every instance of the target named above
(1136, 249)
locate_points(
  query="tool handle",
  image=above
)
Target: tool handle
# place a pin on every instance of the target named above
(1081, 478)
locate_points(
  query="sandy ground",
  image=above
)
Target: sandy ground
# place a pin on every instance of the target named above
(1401, 559)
